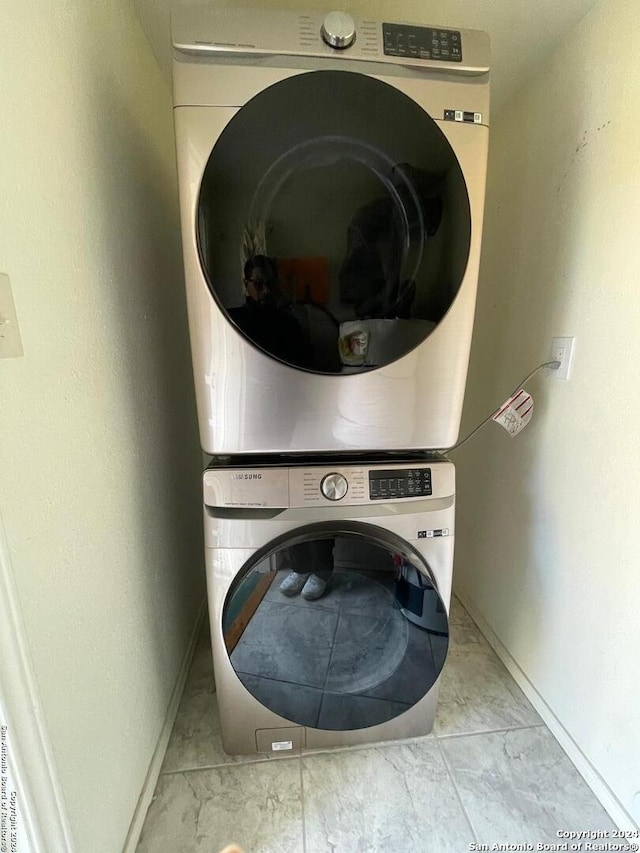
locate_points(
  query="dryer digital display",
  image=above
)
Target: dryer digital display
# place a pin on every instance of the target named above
(422, 42)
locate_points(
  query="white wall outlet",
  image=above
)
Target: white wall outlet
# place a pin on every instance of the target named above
(562, 351)
(10, 343)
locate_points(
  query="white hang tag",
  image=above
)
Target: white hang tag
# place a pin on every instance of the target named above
(516, 412)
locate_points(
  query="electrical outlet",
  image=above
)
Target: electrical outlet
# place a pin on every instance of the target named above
(10, 343)
(562, 351)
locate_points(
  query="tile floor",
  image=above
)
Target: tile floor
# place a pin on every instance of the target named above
(491, 772)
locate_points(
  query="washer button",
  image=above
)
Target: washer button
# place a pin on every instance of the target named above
(334, 487)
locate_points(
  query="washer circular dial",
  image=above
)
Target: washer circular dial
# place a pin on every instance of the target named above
(334, 487)
(339, 30)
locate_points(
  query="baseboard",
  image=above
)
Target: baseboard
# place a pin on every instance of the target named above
(618, 814)
(45, 824)
(151, 780)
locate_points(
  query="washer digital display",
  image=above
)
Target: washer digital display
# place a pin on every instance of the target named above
(403, 483)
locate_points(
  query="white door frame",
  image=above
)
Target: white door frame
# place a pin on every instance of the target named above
(40, 803)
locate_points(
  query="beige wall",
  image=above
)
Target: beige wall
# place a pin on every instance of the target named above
(99, 454)
(548, 545)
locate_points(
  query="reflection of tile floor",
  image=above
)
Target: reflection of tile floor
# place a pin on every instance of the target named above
(492, 773)
(349, 656)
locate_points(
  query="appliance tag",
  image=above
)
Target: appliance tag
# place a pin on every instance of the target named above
(463, 115)
(516, 412)
(281, 744)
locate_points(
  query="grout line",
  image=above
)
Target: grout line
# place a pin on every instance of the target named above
(333, 642)
(257, 760)
(277, 680)
(325, 750)
(491, 731)
(304, 819)
(458, 794)
(354, 747)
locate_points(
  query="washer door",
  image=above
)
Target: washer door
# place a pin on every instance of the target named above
(355, 654)
(333, 222)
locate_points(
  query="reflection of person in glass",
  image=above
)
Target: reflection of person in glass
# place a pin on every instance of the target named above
(380, 234)
(316, 557)
(265, 317)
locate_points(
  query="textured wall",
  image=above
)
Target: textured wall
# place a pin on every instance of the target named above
(99, 454)
(548, 535)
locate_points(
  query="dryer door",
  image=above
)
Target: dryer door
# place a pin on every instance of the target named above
(355, 637)
(333, 222)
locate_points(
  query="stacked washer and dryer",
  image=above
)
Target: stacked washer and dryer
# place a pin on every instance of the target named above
(344, 161)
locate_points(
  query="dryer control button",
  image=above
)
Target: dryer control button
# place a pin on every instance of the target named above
(339, 30)
(334, 487)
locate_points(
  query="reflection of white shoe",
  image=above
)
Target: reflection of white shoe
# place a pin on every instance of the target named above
(314, 588)
(293, 583)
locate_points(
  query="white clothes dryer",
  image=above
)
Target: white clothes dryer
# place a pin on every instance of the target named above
(332, 180)
(361, 662)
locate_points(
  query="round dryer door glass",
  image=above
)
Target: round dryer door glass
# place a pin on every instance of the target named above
(333, 222)
(336, 629)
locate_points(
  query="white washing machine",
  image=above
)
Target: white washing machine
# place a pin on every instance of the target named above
(332, 180)
(361, 662)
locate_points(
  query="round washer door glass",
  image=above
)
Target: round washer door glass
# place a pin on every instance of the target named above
(336, 629)
(333, 222)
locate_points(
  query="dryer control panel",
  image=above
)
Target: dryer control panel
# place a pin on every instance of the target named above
(422, 42)
(227, 31)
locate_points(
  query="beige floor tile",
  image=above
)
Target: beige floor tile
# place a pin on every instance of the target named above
(257, 806)
(383, 799)
(519, 787)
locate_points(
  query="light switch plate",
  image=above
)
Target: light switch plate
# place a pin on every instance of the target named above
(10, 342)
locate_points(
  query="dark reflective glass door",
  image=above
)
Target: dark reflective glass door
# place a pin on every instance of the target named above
(336, 629)
(333, 222)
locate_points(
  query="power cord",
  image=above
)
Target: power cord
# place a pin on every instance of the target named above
(552, 365)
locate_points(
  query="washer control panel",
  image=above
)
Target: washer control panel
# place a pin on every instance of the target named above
(399, 483)
(422, 42)
(334, 486)
(318, 486)
(359, 485)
